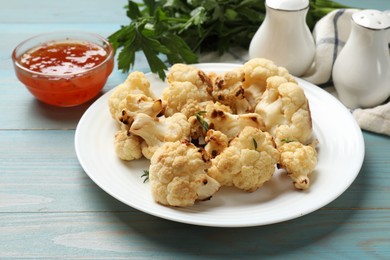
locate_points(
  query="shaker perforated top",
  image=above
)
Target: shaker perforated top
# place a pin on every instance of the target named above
(372, 19)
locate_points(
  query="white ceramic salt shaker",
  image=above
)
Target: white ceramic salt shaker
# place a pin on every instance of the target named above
(284, 36)
(361, 73)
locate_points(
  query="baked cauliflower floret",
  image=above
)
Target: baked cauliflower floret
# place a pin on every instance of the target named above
(299, 161)
(178, 94)
(133, 104)
(156, 131)
(231, 124)
(178, 175)
(285, 110)
(257, 71)
(299, 129)
(186, 73)
(228, 89)
(248, 162)
(136, 83)
(127, 146)
(197, 129)
(216, 142)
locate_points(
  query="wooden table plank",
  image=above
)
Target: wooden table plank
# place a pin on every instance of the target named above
(46, 11)
(40, 173)
(327, 234)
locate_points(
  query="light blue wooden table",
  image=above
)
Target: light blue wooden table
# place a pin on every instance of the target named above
(50, 209)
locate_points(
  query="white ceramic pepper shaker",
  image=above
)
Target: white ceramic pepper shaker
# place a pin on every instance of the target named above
(284, 36)
(361, 73)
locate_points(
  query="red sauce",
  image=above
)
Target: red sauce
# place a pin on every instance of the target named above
(66, 75)
(63, 58)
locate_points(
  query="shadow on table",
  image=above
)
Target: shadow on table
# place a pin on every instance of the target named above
(58, 117)
(63, 114)
(165, 237)
(295, 237)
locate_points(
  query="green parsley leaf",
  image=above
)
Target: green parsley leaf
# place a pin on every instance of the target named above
(286, 140)
(173, 31)
(145, 176)
(255, 143)
(200, 119)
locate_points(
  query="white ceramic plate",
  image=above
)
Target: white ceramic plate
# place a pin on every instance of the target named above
(340, 156)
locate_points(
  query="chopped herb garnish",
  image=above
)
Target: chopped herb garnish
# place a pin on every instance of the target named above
(286, 140)
(145, 176)
(200, 119)
(255, 143)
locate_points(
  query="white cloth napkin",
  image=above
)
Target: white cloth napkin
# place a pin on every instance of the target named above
(330, 34)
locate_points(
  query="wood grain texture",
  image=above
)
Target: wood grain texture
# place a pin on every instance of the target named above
(327, 234)
(63, 12)
(50, 209)
(40, 173)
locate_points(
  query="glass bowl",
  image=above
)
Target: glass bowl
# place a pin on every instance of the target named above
(58, 86)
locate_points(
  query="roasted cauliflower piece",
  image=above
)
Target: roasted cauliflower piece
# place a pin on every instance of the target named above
(133, 104)
(136, 83)
(178, 177)
(285, 110)
(216, 142)
(231, 124)
(299, 161)
(127, 145)
(180, 96)
(156, 131)
(257, 71)
(186, 73)
(248, 162)
(197, 128)
(228, 89)
(287, 117)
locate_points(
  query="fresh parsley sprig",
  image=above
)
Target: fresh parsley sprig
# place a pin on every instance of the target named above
(173, 31)
(154, 32)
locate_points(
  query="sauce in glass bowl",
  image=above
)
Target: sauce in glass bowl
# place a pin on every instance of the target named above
(64, 69)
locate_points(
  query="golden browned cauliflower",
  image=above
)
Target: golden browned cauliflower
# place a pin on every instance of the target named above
(133, 104)
(228, 89)
(231, 124)
(257, 71)
(186, 73)
(285, 110)
(248, 162)
(179, 96)
(287, 117)
(198, 129)
(136, 83)
(299, 161)
(178, 175)
(127, 146)
(156, 131)
(216, 142)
